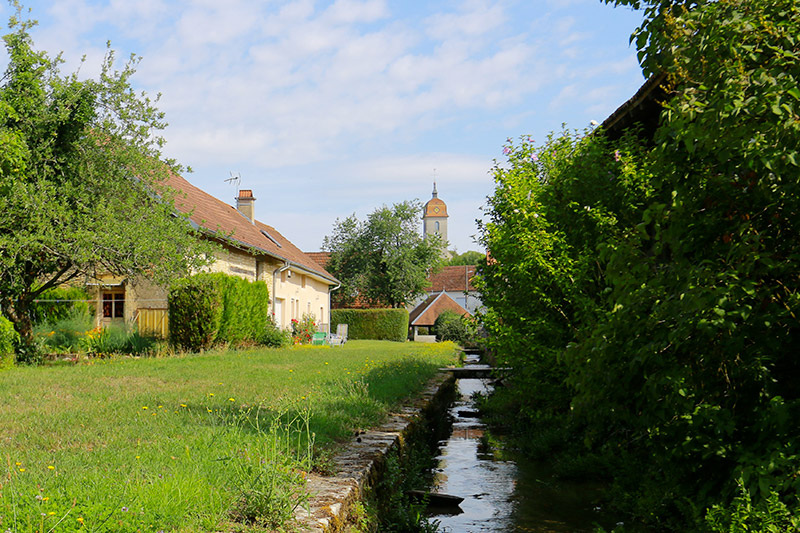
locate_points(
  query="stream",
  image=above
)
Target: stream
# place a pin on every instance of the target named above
(501, 491)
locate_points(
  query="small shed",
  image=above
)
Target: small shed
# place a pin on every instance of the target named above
(426, 313)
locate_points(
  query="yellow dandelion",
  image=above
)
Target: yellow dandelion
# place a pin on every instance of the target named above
(45, 499)
(291, 370)
(211, 394)
(21, 469)
(80, 519)
(137, 457)
(18, 464)
(231, 400)
(183, 405)
(51, 513)
(51, 467)
(209, 410)
(160, 406)
(145, 407)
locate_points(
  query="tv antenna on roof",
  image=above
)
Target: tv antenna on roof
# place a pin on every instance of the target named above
(235, 179)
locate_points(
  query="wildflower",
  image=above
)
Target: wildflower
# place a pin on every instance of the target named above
(145, 407)
(160, 406)
(51, 513)
(617, 157)
(534, 158)
(506, 150)
(124, 509)
(21, 469)
(211, 394)
(291, 370)
(183, 405)
(20, 464)
(51, 467)
(80, 519)
(231, 400)
(137, 457)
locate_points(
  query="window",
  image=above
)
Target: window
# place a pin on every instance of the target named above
(437, 226)
(113, 305)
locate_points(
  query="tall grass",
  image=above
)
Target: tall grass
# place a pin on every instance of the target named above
(220, 441)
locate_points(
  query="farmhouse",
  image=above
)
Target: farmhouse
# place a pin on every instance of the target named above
(249, 249)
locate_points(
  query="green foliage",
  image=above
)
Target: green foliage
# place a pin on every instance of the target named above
(195, 312)
(80, 182)
(275, 337)
(652, 289)
(768, 515)
(450, 326)
(212, 308)
(66, 334)
(245, 309)
(375, 324)
(303, 330)
(470, 257)
(59, 303)
(117, 339)
(8, 339)
(383, 260)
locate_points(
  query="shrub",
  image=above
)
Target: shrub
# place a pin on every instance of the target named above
(8, 339)
(209, 308)
(195, 312)
(450, 326)
(303, 330)
(374, 324)
(60, 303)
(65, 334)
(274, 337)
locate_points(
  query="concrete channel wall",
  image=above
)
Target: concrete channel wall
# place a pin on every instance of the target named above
(362, 462)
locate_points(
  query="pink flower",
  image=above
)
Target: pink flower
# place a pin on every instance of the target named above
(617, 157)
(534, 158)
(506, 150)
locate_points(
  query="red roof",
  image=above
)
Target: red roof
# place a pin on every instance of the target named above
(426, 313)
(229, 225)
(453, 279)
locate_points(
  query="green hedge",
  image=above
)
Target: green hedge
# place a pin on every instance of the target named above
(210, 308)
(8, 338)
(374, 324)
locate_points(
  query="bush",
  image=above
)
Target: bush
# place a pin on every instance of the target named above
(210, 308)
(8, 340)
(117, 339)
(60, 303)
(373, 324)
(274, 337)
(195, 312)
(303, 330)
(450, 326)
(65, 334)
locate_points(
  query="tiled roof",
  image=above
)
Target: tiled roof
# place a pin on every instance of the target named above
(228, 224)
(320, 258)
(426, 313)
(453, 279)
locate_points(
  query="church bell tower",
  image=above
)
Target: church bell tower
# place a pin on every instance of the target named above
(434, 217)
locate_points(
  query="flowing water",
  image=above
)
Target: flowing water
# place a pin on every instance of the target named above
(502, 492)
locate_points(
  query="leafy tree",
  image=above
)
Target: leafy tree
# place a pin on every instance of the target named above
(383, 260)
(665, 310)
(470, 257)
(79, 182)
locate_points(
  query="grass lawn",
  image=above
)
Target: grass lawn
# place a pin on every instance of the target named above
(212, 442)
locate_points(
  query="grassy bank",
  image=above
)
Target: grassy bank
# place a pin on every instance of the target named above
(220, 441)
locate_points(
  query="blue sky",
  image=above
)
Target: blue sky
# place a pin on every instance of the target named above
(326, 109)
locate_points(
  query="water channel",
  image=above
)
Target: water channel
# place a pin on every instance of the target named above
(502, 492)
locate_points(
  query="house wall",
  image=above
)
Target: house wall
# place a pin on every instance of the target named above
(292, 293)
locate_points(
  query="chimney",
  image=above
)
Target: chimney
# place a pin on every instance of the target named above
(245, 203)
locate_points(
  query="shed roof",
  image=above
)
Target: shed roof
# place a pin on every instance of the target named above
(426, 313)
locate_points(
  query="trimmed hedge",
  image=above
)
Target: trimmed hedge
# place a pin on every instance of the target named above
(373, 324)
(210, 308)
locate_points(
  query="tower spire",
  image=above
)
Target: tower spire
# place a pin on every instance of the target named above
(435, 194)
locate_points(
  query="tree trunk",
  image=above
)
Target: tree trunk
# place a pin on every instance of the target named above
(19, 313)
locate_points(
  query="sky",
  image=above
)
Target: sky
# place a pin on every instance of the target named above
(331, 108)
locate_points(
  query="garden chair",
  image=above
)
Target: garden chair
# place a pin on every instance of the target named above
(340, 337)
(318, 339)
